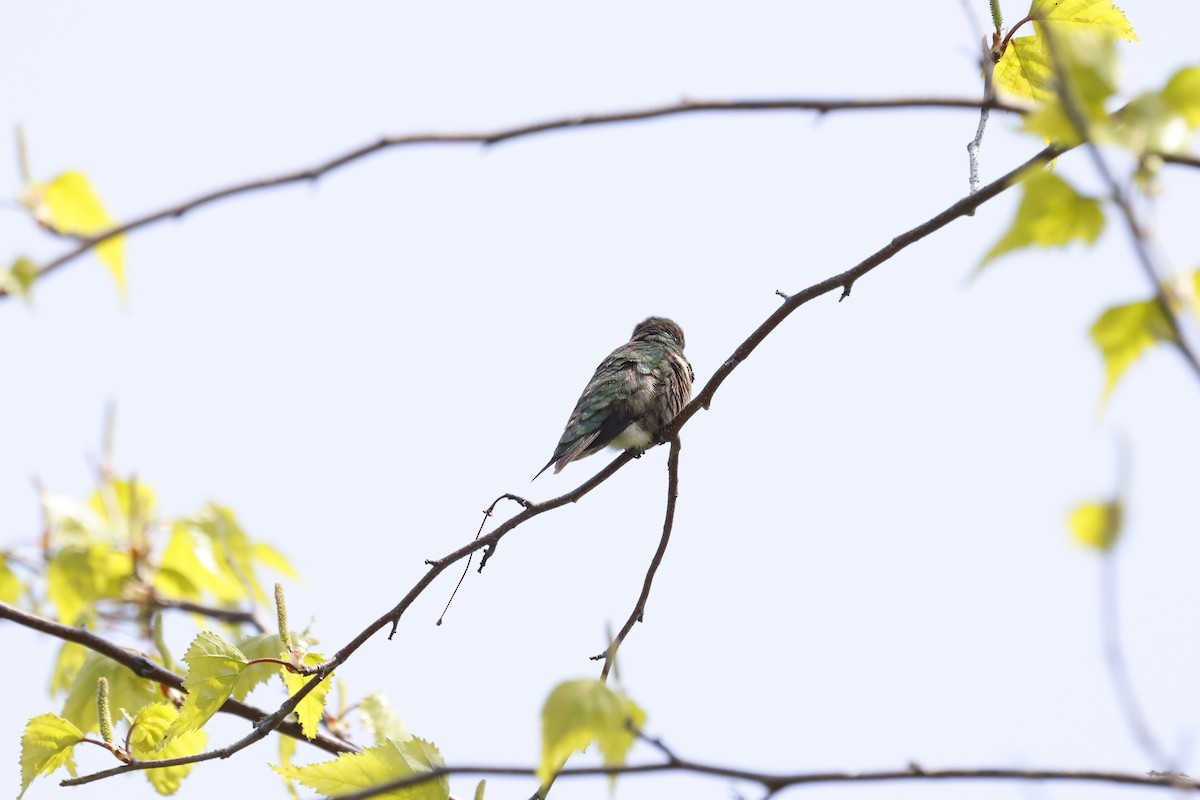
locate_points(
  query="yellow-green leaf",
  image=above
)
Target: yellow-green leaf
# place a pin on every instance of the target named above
(1098, 524)
(70, 658)
(118, 501)
(79, 575)
(312, 706)
(1025, 71)
(47, 744)
(18, 279)
(1182, 94)
(125, 690)
(287, 749)
(381, 720)
(268, 556)
(384, 763)
(70, 205)
(1124, 332)
(1091, 15)
(214, 667)
(10, 584)
(1051, 214)
(263, 645)
(580, 712)
(146, 743)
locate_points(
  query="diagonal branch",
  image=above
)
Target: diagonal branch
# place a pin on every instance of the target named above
(506, 134)
(843, 280)
(143, 667)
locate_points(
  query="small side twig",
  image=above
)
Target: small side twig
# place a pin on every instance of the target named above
(639, 609)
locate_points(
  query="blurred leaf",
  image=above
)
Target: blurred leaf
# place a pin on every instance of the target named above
(312, 706)
(146, 735)
(125, 690)
(268, 556)
(19, 278)
(79, 575)
(384, 763)
(47, 744)
(114, 502)
(1164, 121)
(1182, 94)
(214, 667)
(381, 720)
(287, 749)
(1051, 214)
(580, 712)
(68, 204)
(70, 658)
(10, 584)
(1124, 332)
(1097, 525)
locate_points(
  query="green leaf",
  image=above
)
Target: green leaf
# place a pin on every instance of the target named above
(1124, 332)
(190, 567)
(70, 658)
(1097, 524)
(47, 744)
(79, 575)
(384, 763)
(117, 501)
(1090, 15)
(1025, 71)
(1182, 95)
(68, 204)
(1051, 214)
(19, 278)
(580, 712)
(214, 668)
(146, 742)
(287, 749)
(263, 645)
(313, 705)
(10, 584)
(1164, 121)
(381, 720)
(125, 690)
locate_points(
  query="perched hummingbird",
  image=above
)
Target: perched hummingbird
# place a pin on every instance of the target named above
(633, 395)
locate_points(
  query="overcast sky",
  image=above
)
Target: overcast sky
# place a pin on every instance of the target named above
(870, 564)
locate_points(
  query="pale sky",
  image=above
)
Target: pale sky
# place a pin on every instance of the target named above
(870, 563)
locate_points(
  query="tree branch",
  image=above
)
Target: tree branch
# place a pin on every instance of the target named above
(844, 280)
(610, 655)
(144, 667)
(506, 134)
(774, 783)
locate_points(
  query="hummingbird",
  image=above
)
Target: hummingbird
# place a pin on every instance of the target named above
(635, 393)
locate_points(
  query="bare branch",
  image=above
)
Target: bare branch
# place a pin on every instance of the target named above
(774, 783)
(610, 655)
(507, 134)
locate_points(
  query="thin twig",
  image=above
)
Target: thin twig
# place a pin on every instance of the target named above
(1114, 657)
(508, 134)
(610, 654)
(233, 615)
